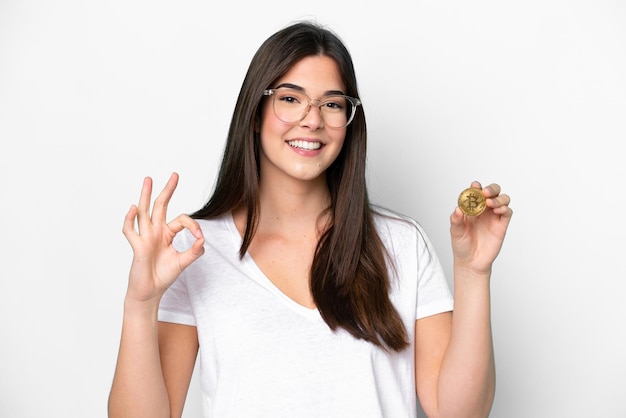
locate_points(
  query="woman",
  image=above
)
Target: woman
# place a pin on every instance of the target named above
(301, 298)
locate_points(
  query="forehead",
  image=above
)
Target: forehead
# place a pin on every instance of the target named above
(314, 74)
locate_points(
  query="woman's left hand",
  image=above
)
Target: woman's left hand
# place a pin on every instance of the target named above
(477, 240)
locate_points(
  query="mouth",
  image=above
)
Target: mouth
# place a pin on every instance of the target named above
(305, 145)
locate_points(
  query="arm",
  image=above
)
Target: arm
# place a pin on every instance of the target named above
(145, 383)
(454, 361)
(178, 346)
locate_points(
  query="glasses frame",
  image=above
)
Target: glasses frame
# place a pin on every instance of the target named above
(353, 100)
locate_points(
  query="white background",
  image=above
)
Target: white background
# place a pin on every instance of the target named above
(95, 95)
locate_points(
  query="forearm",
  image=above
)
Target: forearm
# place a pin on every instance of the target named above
(467, 379)
(138, 388)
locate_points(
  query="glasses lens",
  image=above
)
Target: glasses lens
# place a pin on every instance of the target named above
(336, 110)
(291, 106)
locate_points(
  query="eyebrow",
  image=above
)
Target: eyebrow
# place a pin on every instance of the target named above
(299, 88)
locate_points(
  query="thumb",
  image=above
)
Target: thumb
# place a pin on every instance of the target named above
(457, 223)
(192, 254)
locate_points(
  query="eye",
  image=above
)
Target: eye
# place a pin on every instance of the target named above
(334, 104)
(289, 97)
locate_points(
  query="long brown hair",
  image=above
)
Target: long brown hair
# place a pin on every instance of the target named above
(349, 279)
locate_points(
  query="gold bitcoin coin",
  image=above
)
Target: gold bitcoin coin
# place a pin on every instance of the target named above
(472, 201)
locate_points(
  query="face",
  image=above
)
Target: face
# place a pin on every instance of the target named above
(302, 150)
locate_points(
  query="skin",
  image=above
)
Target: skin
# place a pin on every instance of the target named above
(153, 374)
(454, 365)
(292, 189)
(454, 361)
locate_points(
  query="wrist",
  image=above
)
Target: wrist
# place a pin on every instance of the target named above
(147, 309)
(471, 269)
(467, 277)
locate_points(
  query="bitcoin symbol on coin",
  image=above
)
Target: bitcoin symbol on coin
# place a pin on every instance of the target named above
(472, 201)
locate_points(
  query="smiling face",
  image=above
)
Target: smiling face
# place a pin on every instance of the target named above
(302, 150)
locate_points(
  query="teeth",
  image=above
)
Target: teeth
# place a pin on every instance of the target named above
(305, 144)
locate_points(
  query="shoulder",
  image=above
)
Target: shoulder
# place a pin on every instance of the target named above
(215, 230)
(402, 235)
(391, 224)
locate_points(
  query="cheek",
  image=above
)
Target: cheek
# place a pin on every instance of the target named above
(339, 138)
(269, 123)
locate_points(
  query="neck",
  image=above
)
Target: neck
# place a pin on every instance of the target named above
(292, 201)
(289, 208)
(290, 197)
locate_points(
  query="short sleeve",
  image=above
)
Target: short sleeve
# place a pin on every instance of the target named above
(433, 292)
(175, 305)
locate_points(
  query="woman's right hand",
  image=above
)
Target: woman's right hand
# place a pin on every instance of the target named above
(156, 264)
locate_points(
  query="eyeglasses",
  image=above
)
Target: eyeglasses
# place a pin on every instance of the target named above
(292, 106)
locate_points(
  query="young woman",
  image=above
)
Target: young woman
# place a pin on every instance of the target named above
(301, 298)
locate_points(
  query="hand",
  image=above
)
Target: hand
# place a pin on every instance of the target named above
(156, 264)
(477, 240)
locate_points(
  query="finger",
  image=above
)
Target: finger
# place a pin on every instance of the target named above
(159, 211)
(143, 209)
(476, 184)
(189, 256)
(504, 211)
(499, 201)
(185, 221)
(457, 226)
(197, 248)
(129, 224)
(492, 190)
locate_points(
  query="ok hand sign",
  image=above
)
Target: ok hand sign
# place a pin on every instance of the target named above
(156, 264)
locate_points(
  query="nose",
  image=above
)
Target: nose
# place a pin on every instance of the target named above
(312, 117)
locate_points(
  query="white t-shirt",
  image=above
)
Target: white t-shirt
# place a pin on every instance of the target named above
(264, 355)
